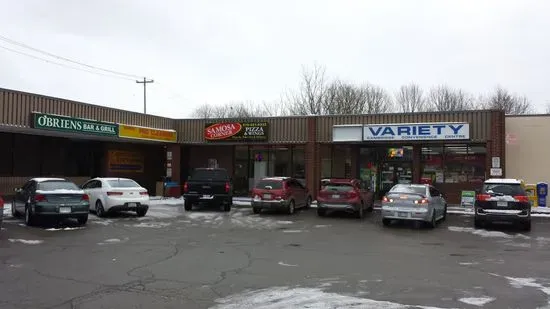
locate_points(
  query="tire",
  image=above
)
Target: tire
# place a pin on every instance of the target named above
(30, 219)
(14, 212)
(321, 212)
(82, 220)
(360, 214)
(308, 202)
(433, 223)
(187, 206)
(477, 223)
(386, 222)
(141, 212)
(99, 210)
(291, 207)
(227, 207)
(527, 226)
(257, 210)
(444, 213)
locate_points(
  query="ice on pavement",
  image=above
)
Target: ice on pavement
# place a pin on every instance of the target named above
(477, 301)
(313, 298)
(26, 242)
(485, 233)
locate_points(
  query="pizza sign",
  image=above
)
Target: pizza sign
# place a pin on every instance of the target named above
(236, 131)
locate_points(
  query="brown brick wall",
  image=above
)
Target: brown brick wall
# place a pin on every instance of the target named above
(312, 158)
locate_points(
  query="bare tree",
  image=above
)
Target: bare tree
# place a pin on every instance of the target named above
(444, 98)
(410, 98)
(508, 102)
(377, 100)
(308, 100)
(343, 99)
(238, 110)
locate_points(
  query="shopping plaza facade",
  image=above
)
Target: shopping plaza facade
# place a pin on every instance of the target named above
(454, 151)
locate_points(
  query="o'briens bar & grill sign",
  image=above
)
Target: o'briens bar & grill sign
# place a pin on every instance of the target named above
(73, 125)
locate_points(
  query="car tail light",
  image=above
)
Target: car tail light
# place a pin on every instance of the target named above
(114, 193)
(352, 194)
(143, 193)
(85, 197)
(40, 198)
(483, 197)
(385, 199)
(521, 198)
(185, 187)
(227, 187)
(421, 201)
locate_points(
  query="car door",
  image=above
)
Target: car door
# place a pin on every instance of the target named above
(436, 200)
(21, 197)
(298, 192)
(88, 188)
(95, 192)
(366, 194)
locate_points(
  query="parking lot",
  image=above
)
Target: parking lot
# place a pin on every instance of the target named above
(210, 259)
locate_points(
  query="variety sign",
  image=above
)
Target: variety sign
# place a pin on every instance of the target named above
(73, 125)
(128, 131)
(236, 131)
(416, 131)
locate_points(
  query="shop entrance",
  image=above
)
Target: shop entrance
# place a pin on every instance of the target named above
(383, 167)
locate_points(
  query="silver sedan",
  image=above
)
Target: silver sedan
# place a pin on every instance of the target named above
(416, 202)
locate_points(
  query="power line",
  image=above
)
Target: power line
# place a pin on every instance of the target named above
(10, 41)
(62, 64)
(145, 82)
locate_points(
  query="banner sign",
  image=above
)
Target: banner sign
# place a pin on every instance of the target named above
(136, 132)
(125, 161)
(417, 131)
(236, 131)
(73, 125)
(467, 198)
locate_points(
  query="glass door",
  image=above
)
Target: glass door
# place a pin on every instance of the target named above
(392, 173)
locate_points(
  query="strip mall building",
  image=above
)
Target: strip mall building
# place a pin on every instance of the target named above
(44, 136)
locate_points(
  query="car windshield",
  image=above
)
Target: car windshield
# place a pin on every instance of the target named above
(207, 174)
(123, 183)
(503, 189)
(408, 189)
(274, 184)
(340, 187)
(56, 185)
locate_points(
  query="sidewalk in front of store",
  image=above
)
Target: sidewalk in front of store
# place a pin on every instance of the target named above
(453, 209)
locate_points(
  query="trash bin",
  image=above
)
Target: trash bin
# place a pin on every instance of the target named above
(542, 191)
(172, 189)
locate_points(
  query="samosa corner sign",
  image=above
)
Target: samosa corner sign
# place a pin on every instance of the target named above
(417, 131)
(236, 131)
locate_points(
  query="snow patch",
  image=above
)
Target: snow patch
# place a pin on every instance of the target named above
(322, 226)
(468, 263)
(293, 231)
(102, 222)
(313, 298)
(155, 225)
(285, 222)
(285, 264)
(476, 301)
(153, 201)
(26, 242)
(66, 229)
(485, 233)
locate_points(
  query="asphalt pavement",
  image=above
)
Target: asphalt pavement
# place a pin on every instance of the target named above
(211, 259)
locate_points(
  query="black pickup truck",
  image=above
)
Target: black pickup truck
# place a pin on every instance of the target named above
(208, 186)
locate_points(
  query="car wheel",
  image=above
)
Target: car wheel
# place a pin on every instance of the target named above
(141, 212)
(433, 222)
(291, 207)
(527, 226)
(99, 210)
(188, 206)
(82, 220)
(227, 207)
(477, 223)
(308, 202)
(29, 217)
(14, 212)
(257, 210)
(321, 212)
(386, 222)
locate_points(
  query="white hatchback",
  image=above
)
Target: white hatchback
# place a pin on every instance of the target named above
(108, 195)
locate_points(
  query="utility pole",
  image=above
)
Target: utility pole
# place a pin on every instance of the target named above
(145, 82)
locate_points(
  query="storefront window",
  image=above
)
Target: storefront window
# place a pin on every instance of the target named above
(279, 163)
(240, 178)
(326, 161)
(298, 162)
(464, 163)
(432, 165)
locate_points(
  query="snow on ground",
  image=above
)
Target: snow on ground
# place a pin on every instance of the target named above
(26, 242)
(476, 301)
(158, 200)
(154, 225)
(313, 298)
(485, 233)
(66, 229)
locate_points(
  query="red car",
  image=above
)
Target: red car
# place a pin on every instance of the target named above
(348, 195)
(280, 193)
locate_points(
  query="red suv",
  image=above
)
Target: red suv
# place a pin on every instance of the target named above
(345, 195)
(280, 193)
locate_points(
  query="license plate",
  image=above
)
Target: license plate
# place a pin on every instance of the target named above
(402, 214)
(502, 204)
(335, 196)
(64, 210)
(207, 197)
(132, 204)
(267, 196)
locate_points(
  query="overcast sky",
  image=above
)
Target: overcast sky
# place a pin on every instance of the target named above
(207, 51)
